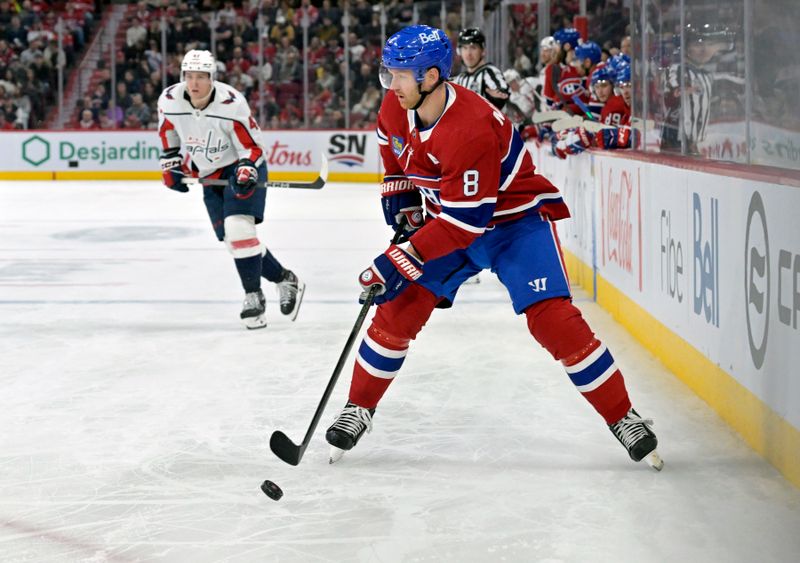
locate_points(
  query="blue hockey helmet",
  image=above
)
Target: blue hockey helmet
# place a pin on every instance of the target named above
(567, 35)
(623, 73)
(616, 60)
(589, 50)
(417, 48)
(602, 73)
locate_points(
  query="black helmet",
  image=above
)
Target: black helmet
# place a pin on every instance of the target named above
(472, 36)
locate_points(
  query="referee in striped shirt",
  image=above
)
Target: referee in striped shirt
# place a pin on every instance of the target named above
(688, 108)
(481, 77)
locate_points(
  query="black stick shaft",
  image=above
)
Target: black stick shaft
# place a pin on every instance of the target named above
(362, 315)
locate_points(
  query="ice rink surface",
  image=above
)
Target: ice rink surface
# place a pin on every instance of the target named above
(136, 410)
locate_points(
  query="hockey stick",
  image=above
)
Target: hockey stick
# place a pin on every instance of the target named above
(317, 184)
(279, 443)
(549, 115)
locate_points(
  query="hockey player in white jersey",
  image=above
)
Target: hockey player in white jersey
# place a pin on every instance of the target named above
(211, 121)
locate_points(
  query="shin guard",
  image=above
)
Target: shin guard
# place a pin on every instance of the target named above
(383, 349)
(559, 326)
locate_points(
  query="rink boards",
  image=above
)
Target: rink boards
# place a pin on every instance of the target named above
(704, 269)
(134, 155)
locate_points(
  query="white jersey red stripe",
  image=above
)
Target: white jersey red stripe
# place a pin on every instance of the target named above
(214, 137)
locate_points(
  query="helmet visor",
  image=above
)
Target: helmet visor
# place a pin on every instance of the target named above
(385, 77)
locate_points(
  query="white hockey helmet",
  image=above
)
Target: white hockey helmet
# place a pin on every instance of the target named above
(511, 75)
(548, 43)
(198, 61)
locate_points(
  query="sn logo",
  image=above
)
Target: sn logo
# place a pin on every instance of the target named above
(539, 284)
(427, 38)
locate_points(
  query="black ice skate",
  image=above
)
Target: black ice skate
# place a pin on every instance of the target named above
(290, 294)
(253, 310)
(634, 433)
(347, 429)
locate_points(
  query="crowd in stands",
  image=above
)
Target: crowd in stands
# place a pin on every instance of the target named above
(30, 55)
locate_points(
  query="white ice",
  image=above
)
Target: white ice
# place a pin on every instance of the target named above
(136, 411)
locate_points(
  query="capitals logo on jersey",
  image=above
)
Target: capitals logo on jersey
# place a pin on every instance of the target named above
(212, 147)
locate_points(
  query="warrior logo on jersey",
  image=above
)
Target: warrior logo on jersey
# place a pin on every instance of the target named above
(397, 145)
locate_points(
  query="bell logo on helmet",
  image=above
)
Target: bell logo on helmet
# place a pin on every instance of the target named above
(428, 37)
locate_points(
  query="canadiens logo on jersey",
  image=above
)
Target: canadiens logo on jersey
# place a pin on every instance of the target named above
(397, 145)
(571, 86)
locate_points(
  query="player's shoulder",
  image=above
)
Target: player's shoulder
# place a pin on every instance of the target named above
(464, 99)
(228, 100)
(468, 116)
(172, 96)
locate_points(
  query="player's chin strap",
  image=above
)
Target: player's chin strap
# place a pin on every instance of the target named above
(423, 94)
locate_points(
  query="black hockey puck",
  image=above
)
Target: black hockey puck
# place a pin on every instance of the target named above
(272, 490)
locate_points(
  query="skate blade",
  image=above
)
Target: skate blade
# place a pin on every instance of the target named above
(654, 460)
(335, 454)
(253, 323)
(301, 290)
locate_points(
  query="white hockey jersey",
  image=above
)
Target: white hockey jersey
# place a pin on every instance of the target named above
(214, 137)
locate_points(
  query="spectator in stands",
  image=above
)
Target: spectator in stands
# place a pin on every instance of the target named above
(306, 8)
(329, 11)
(6, 88)
(16, 34)
(522, 63)
(290, 70)
(402, 14)
(38, 32)
(136, 33)
(115, 114)
(100, 93)
(139, 110)
(150, 93)
(238, 59)
(124, 99)
(626, 46)
(106, 122)
(282, 28)
(5, 124)
(153, 55)
(362, 14)
(328, 30)
(27, 56)
(87, 120)
(369, 102)
(55, 56)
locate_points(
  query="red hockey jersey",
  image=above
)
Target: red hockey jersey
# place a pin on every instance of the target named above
(616, 112)
(471, 165)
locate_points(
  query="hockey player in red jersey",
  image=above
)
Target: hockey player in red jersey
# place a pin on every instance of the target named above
(212, 122)
(486, 208)
(616, 115)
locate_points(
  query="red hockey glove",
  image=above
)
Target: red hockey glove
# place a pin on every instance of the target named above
(392, 271)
